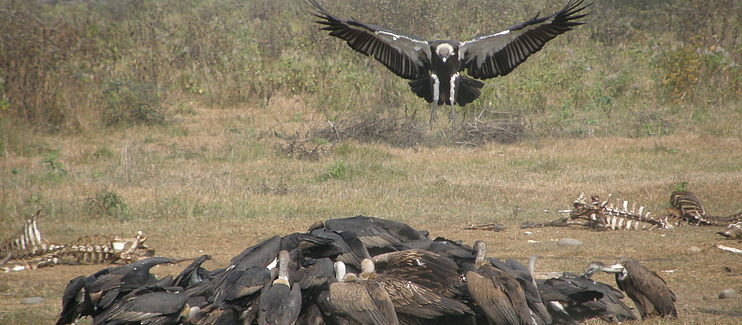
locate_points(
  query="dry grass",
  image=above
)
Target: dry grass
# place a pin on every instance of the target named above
(213, 182)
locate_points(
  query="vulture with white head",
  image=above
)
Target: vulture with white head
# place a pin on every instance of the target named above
(435, 68)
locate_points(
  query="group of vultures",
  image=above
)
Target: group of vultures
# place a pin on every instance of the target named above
(362, 270)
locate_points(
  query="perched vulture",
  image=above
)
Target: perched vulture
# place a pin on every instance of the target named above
(649, 291)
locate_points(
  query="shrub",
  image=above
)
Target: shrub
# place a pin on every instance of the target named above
(303, 147)
(682, 69)
(128, 103)
(336, 170)
(107, 203)
(54, 169)
(378, 126)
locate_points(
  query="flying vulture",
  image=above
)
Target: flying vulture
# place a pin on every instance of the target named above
(435, 68)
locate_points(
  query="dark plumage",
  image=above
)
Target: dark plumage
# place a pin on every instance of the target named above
(280, 303)
(649, 291)
(192, 274)
(363, 301)
(433, 271)
(411, 298)
(530, 289)
(241, 283)
(263, 254)
(74, 304)
(450, 283)
(108, 286)
(498, 293)
(346, 247)
(573, 299)
(380, 234)
(317, 276)
(227, 315)
(451, 249)
(158, 307)
(303, 241)
(435, 67)
(312, 315)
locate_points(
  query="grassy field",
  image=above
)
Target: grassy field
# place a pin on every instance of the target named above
(203, 186)
(211, 125)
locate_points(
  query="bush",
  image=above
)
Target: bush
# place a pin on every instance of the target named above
(129, 103)
(303, 147)
(54, 170)
(107, 203)
(505, 129)
(378, 126)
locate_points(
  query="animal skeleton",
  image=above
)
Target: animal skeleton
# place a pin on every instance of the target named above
(602, 215)
(685, 206)
(29, 250)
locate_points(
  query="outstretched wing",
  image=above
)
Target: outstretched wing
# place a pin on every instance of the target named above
(497, 54)
(404, 55)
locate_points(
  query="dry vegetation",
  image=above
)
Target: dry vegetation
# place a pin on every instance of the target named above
(205, 189)
(211, 125)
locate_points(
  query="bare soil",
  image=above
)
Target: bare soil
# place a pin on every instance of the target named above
(696, 278)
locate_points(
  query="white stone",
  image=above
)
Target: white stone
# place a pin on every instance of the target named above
(32, 301)
(569, 242)
(728, 294)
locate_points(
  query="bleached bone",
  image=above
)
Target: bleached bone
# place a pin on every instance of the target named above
(602, 215)
(28, 249)
(729, 249)
(685, 206)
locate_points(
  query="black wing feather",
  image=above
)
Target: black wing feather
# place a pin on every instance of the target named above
(498, 54)
(404, 55)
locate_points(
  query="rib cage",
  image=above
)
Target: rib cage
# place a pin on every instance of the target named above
(104, 249)
(685, 206)
(601, 215)
(28, 249)
(687, 203)
(27, 243)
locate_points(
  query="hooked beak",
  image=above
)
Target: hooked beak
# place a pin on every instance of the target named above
(616, 268)
(597, 266)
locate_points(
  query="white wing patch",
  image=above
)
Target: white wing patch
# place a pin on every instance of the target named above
(505, 32)
(411, 47)
(485, 46)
